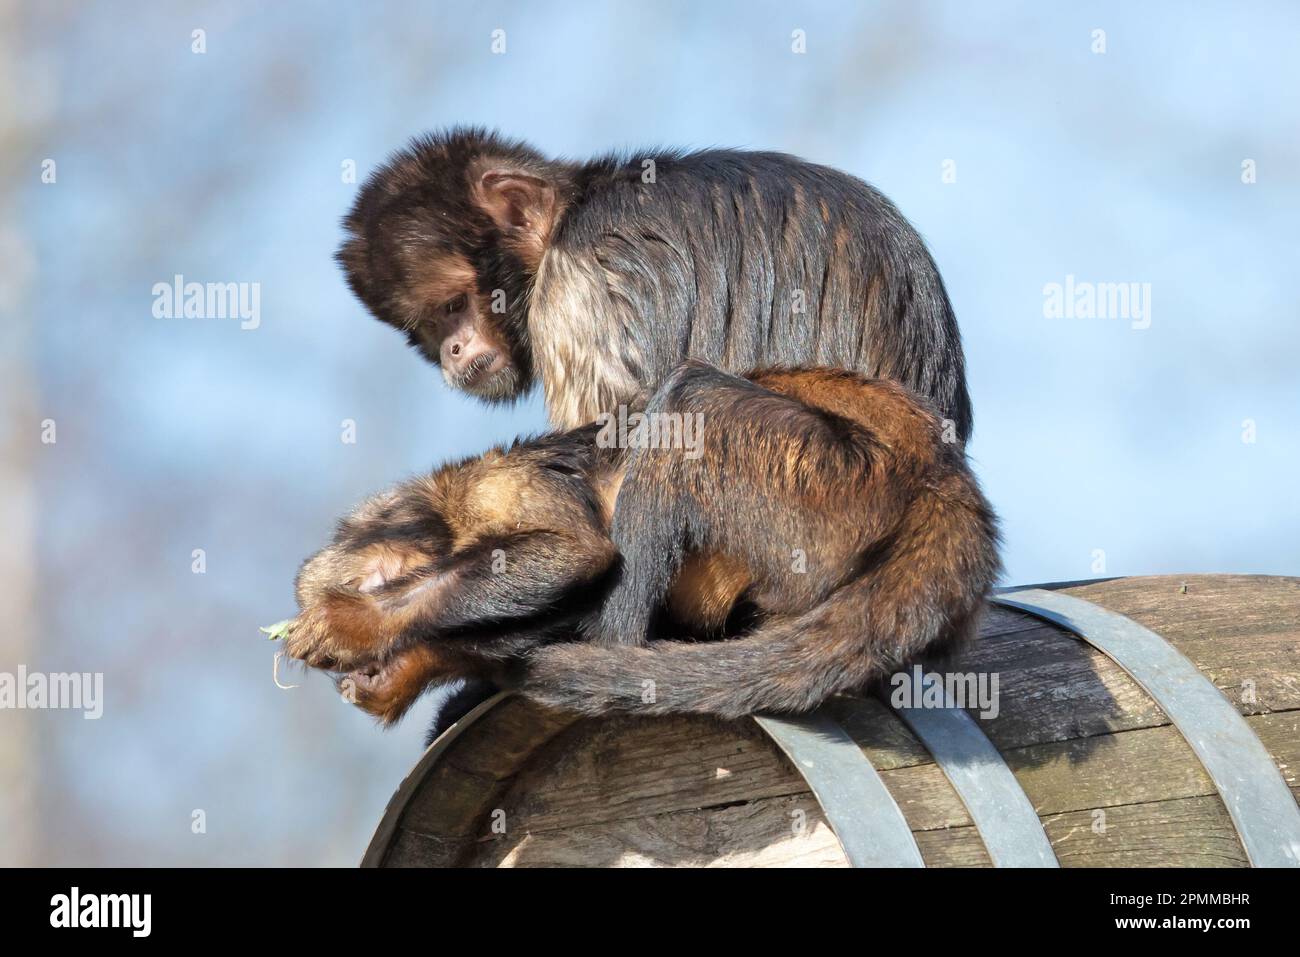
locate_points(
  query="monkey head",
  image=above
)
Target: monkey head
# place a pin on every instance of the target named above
(443, 243)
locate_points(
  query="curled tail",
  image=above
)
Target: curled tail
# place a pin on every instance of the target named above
(926, 596)
(778, 668)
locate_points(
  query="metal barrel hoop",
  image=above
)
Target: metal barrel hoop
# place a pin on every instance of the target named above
(1252, 788)
(1003, 815)
(863, 814)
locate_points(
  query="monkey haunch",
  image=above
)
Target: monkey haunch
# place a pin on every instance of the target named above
(501, 265)
(828, 502)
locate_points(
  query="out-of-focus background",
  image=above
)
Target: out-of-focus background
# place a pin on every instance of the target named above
(163, 477)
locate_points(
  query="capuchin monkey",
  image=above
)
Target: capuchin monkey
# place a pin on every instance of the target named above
(503, 267)
(827, 502)
(506, 267)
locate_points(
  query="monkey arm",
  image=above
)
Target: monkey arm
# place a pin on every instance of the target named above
(504, 578)
(493, 581)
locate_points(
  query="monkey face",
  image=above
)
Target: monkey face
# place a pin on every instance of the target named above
(461, 311)
(459, 335)
(444, 242)
(472, 355)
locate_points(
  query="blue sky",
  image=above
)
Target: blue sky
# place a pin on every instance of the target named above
(1091, 436)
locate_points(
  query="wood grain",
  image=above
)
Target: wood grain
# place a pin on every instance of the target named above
(1112, 781)
(769, 832)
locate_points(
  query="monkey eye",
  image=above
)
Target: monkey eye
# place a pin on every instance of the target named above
(456, 304)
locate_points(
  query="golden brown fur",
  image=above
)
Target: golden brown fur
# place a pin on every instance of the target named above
(829, 502)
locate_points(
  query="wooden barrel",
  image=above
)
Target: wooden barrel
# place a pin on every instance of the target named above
(1139, 722)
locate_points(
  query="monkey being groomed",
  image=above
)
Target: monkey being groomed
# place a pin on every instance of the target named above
(507, 268)
(827, 504)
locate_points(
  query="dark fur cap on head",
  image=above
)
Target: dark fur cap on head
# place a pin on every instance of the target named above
(423, 204)
(420, 200)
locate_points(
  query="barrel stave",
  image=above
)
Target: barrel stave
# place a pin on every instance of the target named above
(1114, 783)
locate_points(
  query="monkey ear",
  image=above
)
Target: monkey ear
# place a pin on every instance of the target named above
(522, 205)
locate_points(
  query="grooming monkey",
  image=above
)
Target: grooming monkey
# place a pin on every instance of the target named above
(503, 266)
(828, 502)
(597, 278)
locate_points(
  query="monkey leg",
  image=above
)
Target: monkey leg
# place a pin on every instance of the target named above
(772, 483)
(453, 700)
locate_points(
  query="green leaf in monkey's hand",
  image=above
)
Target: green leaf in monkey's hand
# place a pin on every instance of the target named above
(279, 630)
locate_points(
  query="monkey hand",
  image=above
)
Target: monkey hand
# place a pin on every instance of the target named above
(387, 688)
(339, 629)
(354, 602)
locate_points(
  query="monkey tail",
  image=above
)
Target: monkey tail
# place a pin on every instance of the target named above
(867, 629)
(777, 669)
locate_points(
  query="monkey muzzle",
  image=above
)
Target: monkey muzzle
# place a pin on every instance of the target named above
(489, 375)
